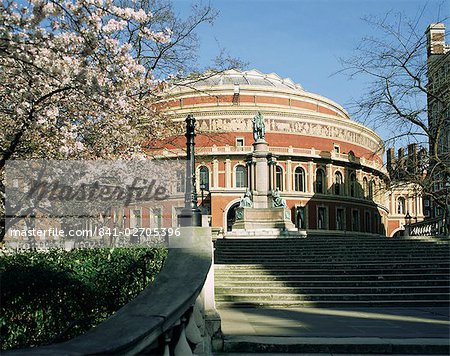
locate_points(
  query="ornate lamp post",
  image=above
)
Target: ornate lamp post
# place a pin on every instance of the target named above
(408, 218)
(190, 215)
(202, 189)
(408, 223)
(447, 209)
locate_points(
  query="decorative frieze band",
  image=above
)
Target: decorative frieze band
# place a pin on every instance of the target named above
(297, 124)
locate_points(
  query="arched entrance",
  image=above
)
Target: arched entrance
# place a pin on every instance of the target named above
(399, 233)
(231, 215)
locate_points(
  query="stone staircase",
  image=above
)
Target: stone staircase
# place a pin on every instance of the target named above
(333, 271)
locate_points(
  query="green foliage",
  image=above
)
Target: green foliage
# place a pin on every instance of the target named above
(53, 296)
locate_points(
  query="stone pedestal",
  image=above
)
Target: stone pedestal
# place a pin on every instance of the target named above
(263, 218)
(261, 175)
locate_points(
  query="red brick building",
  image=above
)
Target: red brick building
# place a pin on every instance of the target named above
(328, 168)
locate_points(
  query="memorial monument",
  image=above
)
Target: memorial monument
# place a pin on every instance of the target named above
(262, 212)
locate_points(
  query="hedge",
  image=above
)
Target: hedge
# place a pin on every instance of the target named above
(52, 296)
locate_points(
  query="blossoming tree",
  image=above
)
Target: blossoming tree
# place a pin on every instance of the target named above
(78, 77)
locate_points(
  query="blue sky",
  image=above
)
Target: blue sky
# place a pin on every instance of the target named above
(303, 39)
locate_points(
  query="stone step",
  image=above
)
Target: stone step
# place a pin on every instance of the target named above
(249, 260)
(328, 271)
(333, 297)
(335, 345)
(320, 253)
(270, 264)
(349, 248)
(336, 290)
(332, 272)
(331, 247)
(352, 240)
(327, 277)
(292, 261)
(338, 249)
(285, 241)
(323, 251)
(327, 304)
(222, 283)
(364, 252)
(299, 265)
(342, 255)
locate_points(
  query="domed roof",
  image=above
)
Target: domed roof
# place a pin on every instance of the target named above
(252, 77)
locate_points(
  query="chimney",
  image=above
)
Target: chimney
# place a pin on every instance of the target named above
(422, 159)
(400, 169)
(400, 154)
(412, 158)
(390, 158)
(435, 38)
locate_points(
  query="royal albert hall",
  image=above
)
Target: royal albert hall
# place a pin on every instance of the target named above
(328, 167)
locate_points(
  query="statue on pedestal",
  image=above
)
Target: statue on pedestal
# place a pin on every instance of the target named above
(259, 128)
(277, 200)
(246, 200)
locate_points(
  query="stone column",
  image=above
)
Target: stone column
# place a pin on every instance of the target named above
(253, 175)
(270, 175)
(420, 205)
(288, 175)
(329, 178)
(392, 203)
(227, 173)
(359, 180)
(215, 173)
(310, 177)
(249, 166)
(273, 175)
(261, 190)
(346, 185)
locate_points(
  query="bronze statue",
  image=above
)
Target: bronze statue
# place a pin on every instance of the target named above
(246, 200)
(259, 128)
(277, 200)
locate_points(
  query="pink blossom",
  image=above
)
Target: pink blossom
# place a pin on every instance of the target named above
(114, 25)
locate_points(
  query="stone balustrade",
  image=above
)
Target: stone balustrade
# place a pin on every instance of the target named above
(306, 152)
(431, 227)
(173, 316)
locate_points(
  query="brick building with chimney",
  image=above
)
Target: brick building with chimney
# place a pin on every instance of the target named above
(438, 73)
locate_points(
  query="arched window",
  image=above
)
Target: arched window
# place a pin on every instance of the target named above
(320, 181)
(353, 185)
(401, 205)
(204, 178)
(299, 179)
(371, 188)
(181, 181)
(279, 178)
(241, 177)
(338, 183)
(365, 187)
